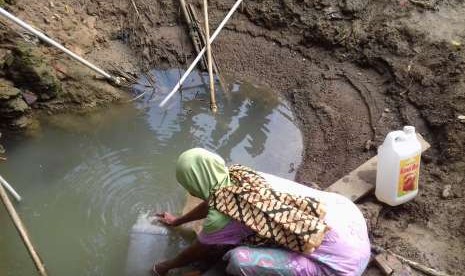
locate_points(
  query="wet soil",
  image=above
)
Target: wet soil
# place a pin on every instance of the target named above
(353, 70)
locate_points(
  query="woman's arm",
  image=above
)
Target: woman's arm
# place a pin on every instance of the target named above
(199, 212)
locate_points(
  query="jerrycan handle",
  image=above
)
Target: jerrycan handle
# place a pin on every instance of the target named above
(394, 137)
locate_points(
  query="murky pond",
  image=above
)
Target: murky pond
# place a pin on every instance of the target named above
(85, 179)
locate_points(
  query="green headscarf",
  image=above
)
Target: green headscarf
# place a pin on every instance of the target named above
(200, 172)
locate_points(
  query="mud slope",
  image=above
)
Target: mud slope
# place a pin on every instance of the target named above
(353, 71)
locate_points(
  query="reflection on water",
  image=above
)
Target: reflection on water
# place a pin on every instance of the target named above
(85, 179)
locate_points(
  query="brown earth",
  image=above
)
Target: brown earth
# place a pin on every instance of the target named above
(352, 69)
(47, 80)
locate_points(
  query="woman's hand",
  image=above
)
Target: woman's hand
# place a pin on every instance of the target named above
(167, 219)
(199, 212)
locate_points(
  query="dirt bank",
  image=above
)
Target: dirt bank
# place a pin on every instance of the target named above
(352, 69)
(35, 78)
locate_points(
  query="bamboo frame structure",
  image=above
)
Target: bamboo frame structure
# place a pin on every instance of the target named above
(199, 56)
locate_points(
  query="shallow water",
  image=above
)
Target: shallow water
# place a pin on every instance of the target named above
(86, 178)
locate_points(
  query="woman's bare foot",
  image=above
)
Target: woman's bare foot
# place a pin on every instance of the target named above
(160, 269)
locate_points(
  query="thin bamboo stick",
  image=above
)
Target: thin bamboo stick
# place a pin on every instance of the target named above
(138, 16)
(22, 232)
(213, 106)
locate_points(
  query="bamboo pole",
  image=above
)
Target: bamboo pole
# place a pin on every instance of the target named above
(52, 42)
(22, 232)
(194, 35)
(213, 106)
(10, 188)
(216, 68)
(185, 13)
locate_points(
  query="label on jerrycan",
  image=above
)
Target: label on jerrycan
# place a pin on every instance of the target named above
(408, 176)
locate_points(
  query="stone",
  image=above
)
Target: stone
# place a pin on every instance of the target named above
(21, 122)
(29, 97)
(390, 265)
(383, 264)
(61, 69)
(461, 118)
(90, 21)
(369, 145)
(16, 105)
(353, 6)
(7, 90)
(26, 68)
(92, 8)
(447, 192)
(377, 233)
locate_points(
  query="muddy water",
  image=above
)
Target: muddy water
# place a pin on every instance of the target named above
(85, 179)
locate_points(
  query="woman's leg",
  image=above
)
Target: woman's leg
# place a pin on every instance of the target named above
(194, 253)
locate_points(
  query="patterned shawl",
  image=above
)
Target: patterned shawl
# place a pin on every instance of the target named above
(291, 221)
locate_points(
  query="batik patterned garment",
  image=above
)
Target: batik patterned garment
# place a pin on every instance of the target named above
(291, 221)
(345, 250)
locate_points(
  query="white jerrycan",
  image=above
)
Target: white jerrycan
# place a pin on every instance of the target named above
(398, 167)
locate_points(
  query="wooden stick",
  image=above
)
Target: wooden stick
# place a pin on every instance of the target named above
(213, 106)
(123, 74)
(22, 231)
(415, 265)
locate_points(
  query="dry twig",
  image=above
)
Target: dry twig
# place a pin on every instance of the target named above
(138, 16)
(413, 264)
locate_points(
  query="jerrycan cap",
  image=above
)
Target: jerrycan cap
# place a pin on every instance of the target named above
(409, 129)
